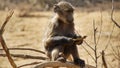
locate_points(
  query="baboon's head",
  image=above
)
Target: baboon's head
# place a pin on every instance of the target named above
(65, 11)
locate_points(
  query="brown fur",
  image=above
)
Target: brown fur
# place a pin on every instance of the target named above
(58, 41)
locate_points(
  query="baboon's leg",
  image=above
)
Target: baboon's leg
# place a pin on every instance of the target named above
(74, 51)
(75, 55)
(56, 46)
(56, 52)
(67, 51)
(48, 53)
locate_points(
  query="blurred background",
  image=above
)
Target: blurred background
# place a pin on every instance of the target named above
(40, 5)
(28, 24)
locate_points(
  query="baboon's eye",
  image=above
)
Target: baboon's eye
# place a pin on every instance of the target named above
(69, 11)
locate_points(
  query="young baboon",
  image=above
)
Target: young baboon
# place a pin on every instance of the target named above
(60, 37)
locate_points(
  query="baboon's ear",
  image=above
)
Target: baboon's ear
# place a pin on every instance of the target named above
(56, 8)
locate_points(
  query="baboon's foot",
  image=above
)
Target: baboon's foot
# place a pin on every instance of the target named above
(61, 59)
(80, 62)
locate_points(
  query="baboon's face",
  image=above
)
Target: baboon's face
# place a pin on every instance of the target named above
(68, 15)
(65, 11)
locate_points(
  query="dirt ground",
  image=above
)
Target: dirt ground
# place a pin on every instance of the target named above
(28, 32)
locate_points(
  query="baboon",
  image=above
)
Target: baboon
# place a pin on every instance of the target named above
(61, 39)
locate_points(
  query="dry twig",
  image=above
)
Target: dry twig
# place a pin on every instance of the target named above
(112, 15)
(88, 45)
(95, 51)
(3, 42)
(30, 49)
(116, 53)
(88, 53)
(25, 56)
(106, 46)
(33, 63)
(100, 29)
(103, 60)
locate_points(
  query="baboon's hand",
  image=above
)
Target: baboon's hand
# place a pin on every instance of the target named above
(79, 41)
(80, 62)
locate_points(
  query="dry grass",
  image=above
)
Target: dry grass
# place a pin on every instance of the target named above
(29, 31)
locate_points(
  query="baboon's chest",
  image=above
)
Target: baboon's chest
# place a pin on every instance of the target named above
(65, 29)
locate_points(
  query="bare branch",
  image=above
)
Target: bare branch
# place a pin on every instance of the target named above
(88, 45)
(26, 49)
(112, 15)
(88, 53)
(110, 65)
(33, 63)
(6, 20)
(99, 56)
(109, 38)
(100, 29)
(95, 51)
(85, 41)
(3, 42)
(7, 52)
(115, 54)
(55, 64)
(95, 30)
(25, 56)
(103, 60)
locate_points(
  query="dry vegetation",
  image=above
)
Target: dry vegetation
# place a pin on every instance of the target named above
(28, 32)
